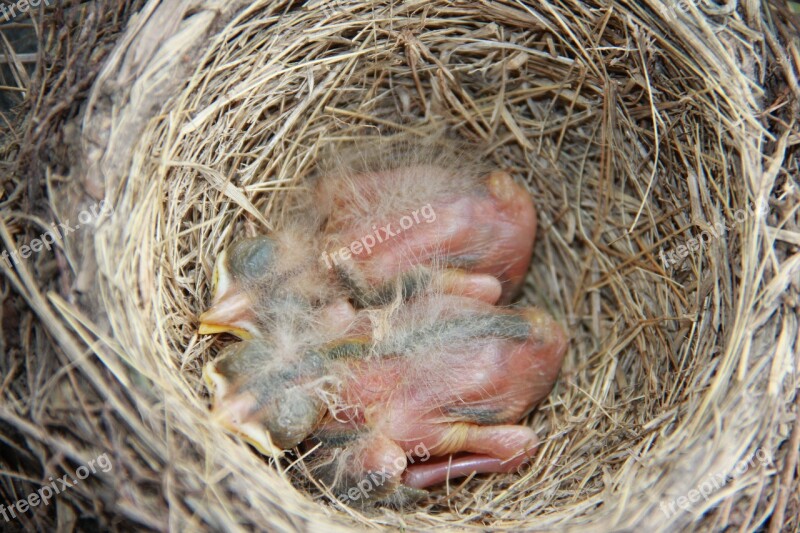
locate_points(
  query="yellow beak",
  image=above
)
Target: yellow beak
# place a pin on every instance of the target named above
(230, 313)
(227, 415)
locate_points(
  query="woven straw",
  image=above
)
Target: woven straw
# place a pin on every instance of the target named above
(637, 127)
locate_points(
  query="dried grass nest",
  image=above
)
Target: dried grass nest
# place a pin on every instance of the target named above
(637, 126)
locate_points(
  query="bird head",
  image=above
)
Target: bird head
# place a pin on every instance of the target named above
(237, 273)
(269, 400)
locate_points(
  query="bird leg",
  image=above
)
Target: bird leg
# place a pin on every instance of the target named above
(496, 449)
(483, 287)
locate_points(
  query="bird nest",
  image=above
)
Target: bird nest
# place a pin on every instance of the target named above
(658, 141)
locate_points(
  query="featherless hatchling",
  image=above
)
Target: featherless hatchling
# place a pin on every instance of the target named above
(443, 374)
(436, 220)
(371, 331)
(389, 219)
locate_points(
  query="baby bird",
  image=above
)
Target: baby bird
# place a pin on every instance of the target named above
(440, 376)
(370, 328)
(406, 216)
(391, 216)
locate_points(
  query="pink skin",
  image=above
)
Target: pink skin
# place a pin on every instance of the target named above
(337, 316)
(429, 474)
(410, 406)
(493, 230)
(483, 287)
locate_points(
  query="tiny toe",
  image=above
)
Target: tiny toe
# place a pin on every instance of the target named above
(428, 474)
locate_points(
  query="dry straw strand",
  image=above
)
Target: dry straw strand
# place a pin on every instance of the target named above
(637, 127)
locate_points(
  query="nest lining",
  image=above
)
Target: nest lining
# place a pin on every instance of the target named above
(636, 127)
